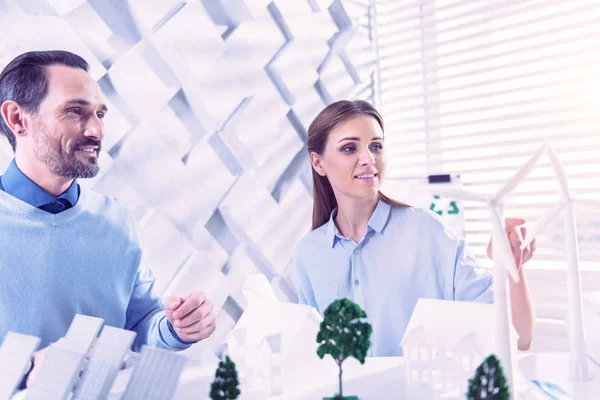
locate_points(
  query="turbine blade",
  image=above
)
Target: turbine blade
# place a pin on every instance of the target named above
(558, 170)
(521, 174)
(541, 223)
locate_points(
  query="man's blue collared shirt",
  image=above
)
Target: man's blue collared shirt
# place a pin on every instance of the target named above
(406, 253)
(15, 183)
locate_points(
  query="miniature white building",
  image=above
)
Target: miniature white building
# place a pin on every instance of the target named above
(269, 352)
(274, 344)
(443, 344)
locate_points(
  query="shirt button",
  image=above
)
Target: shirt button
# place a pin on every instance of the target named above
(357, 282)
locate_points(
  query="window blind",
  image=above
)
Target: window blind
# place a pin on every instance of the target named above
(473, 88)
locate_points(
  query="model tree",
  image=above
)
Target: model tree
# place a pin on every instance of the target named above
(225, 385)
(344, 333)
(489, 382)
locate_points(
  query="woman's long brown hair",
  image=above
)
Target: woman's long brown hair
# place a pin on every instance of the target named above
(318, 133)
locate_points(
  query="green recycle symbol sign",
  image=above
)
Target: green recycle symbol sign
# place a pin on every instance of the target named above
(452, 210)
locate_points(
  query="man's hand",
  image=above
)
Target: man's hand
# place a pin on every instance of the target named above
(191, 316)
(516, 231)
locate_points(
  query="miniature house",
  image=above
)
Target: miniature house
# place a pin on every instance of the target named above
(269, 357)
(274, 345)
(443, 344)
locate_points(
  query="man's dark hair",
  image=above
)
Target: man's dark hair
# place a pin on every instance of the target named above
(25, 82)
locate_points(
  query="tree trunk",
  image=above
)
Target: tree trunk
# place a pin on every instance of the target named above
(340, 378)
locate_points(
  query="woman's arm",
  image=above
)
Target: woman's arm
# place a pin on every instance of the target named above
(522, 310)
(523, 313)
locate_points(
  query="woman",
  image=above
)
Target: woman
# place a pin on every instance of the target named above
(378, 252)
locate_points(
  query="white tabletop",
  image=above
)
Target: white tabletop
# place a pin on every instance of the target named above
(380, 378)
(553, 367)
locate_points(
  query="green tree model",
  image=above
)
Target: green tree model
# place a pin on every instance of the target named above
(225, 385)
(489, 382)
(344, 333)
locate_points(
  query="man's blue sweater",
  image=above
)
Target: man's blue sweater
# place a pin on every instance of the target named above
(85, 260)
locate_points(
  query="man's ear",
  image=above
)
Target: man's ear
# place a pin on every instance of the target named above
(316, 163)
(14, 117)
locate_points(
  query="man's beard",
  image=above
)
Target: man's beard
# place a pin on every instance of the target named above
(65, 163)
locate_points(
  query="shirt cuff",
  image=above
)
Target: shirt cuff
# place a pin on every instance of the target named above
(168, 335)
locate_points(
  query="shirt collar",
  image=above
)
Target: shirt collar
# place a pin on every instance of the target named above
(380, 216)
(332, 230)
(18, 185)
(377, 222)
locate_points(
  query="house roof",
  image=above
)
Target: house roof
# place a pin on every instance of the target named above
(262, 320)
(446, 324)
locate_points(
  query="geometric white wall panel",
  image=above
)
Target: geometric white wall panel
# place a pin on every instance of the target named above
(144, 89)
(320, 5)
(336, 80)
(166, 248)
(240, 10)
(239, 267)
(283, 147)
(42, 33)
(190, 38)
(165, 130)
(94, 31)
(115, 127)
(197, 270)
(114, 183)
(206, 180)
(62, 7)
(249, 209)
(307, 107)
(359, 55)
(268, 224)
(257, 132)
(250, 47)
(147, 14)
(194, 49)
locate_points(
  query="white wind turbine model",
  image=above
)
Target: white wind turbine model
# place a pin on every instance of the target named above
(578, 366)
(504, 346)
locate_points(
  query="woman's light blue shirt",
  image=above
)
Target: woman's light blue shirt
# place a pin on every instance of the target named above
(406, 253)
